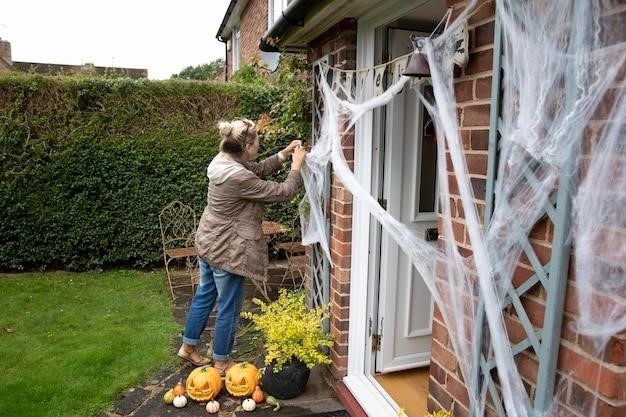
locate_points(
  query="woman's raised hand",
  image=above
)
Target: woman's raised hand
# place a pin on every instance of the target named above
(291, 147)
(297, 157)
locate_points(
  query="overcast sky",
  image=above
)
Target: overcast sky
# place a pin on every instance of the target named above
(163, 37)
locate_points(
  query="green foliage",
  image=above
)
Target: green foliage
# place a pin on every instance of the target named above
(248, 74)
(71, 344)
(288, 111)
(291, 331)
(203, 72)
(87, 164)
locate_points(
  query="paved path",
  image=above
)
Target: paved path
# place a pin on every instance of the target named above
(147, 400)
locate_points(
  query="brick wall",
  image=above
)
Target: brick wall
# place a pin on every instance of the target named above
(473, 94)
(340, 44)
(579, 372)
(252, 26)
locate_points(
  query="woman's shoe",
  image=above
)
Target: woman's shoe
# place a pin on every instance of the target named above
(223, 366)
(192, 356)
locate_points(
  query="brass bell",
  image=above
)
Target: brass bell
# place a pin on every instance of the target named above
(418, 64)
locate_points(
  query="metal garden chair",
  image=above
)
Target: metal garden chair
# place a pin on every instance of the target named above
(178, 224)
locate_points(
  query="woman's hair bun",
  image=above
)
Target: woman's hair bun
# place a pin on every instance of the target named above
(225, 128)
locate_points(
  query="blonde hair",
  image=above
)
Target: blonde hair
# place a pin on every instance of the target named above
(236, 134)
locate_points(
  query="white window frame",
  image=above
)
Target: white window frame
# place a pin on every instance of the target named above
(274, 11)
(236, 48)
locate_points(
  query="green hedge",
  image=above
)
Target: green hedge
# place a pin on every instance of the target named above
(87, 164)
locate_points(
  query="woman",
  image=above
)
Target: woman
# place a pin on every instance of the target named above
(229, 239)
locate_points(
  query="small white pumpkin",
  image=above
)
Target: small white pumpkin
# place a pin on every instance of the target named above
(248, 404)
(180, 401)
(212, 407)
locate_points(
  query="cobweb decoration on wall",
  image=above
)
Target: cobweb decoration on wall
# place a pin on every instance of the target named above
(564, 111)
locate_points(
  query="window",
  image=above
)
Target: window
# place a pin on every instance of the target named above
(236, 48)
(275, 10)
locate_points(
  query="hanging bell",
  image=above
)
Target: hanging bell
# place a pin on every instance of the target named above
(418, 64)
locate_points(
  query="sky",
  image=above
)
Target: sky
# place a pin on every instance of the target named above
(162, 37)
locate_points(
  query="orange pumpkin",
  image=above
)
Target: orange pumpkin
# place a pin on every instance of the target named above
(241, 379)
(258, 396)
(179, 389)
(204, 383)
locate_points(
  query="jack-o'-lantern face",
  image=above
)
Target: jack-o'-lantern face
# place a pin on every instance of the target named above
(241, 379)
(204, 383)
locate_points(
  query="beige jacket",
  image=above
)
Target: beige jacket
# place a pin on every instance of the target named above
(229, 234)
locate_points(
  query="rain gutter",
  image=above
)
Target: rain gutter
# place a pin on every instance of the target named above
(229, 11)
(291, 18)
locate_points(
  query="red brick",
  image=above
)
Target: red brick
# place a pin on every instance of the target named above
(341, 222)
(616, 350)
(440, 395)
(443, 356)
(476, 163)
(486, 10)
(477, 115)
(483, 34)
(590, 374)
(440, 333)
(527, 366)
(483, 87)
(437, 373)
(479, 188)
(341, 235)
(463, 91)
(465, 138)
(520, 275)
(459, 231)
(535, 310)
(342, 248)
(514, 329)
(481, 61)
(458, 390)
(452, 185)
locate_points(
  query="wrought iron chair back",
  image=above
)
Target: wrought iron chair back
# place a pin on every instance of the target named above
(178, 224)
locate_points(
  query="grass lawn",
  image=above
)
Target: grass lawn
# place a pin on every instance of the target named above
(70, 342)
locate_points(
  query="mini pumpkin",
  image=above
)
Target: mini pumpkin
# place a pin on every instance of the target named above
(168, 397)
(212, 407)
(179, 388)
(241, 379)
(248, 404)
(258, 396)
(179, 401)
(204, 383)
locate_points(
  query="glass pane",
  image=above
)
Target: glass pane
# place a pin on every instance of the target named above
(428, 175)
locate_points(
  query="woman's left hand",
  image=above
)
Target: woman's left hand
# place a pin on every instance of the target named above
(291, 147)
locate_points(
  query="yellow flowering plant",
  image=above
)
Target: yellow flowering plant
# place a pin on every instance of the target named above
(440, 413)
(291, 331)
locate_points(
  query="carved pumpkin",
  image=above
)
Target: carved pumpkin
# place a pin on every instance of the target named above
(241, 379)
(204, 383)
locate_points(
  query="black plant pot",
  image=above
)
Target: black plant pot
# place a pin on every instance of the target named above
(287, 383)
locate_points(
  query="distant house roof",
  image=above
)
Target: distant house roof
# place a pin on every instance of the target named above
(7, 64)
(87, 69)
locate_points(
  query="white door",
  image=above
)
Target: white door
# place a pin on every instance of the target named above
(409, 190)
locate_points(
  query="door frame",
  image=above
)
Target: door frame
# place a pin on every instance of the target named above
(359, 379)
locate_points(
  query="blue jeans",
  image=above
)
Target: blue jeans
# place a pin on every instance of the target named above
(225, 289)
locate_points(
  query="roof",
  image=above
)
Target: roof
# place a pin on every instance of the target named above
(305, 20)
(230, 19)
